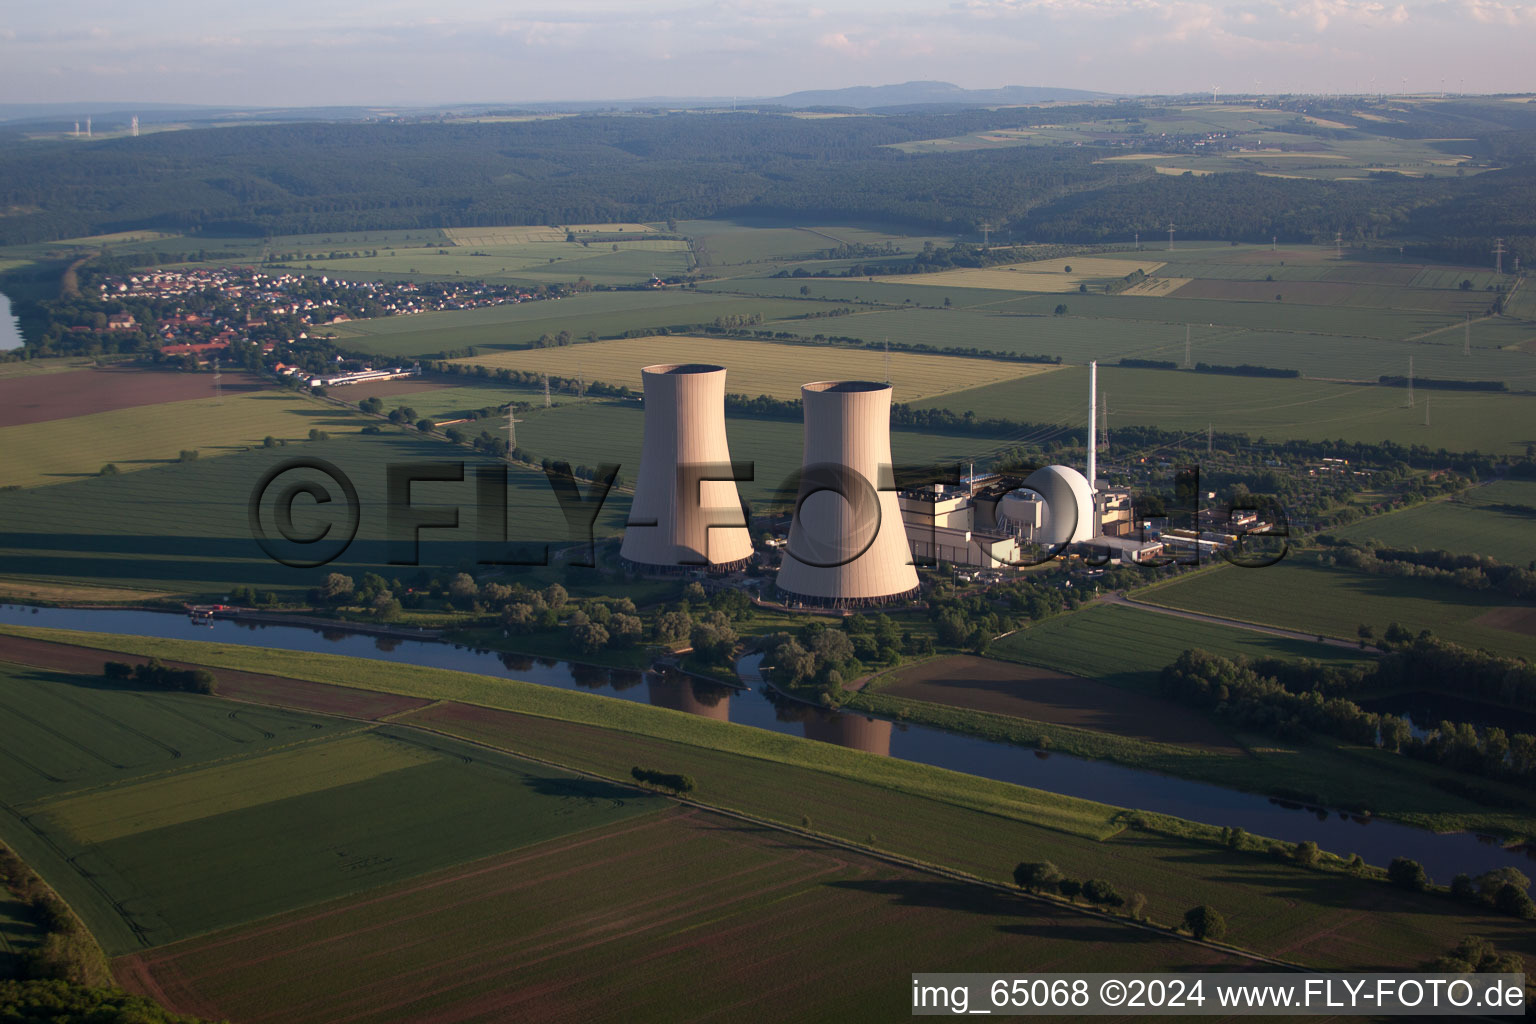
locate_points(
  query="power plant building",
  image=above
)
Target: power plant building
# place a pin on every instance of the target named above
(847, 545)
(686, 514)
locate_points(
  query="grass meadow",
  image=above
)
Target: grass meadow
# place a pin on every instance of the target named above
(1128, 647)
(1301, 594)
(1487, 520)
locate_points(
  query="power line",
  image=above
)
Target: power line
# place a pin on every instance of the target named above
(1410, 382)
(546, 391)
(1498, 256)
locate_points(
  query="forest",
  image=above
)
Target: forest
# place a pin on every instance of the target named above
(299, 178)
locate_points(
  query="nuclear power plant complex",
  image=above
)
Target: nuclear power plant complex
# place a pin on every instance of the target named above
(854, 540)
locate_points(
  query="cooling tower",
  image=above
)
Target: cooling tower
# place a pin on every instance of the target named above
(669, 521)
(847, 546)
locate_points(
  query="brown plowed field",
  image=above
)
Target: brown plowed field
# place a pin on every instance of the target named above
(249, 686)
(684, 916)
(58, 396)
(1004, 688)
(1516, 620)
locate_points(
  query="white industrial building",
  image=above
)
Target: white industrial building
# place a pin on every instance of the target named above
(1054, 510)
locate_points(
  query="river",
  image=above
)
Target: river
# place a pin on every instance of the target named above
(1378, 841)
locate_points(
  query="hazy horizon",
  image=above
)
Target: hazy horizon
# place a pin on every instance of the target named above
(395, 54)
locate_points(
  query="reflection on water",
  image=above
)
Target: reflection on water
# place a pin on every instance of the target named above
(1443, 856)
(1425, 712)
(871, 735)
(684, 693)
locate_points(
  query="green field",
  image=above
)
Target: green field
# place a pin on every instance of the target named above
(706, 904)
(1129, 647)
(186, 527)
(1483, 521)
(1342, 320)
(1319, 918)
(1302, 595)
(612, 431)
(161, 849)
(757, 368)
(1274, 408)
(515, 325)
(1345, 153)
(153, 435)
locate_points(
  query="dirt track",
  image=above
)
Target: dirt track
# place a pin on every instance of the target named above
(1004, 688)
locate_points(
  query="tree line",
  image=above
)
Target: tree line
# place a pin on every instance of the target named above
(1294, 700)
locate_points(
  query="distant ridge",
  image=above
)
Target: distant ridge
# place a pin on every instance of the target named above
(909, 94)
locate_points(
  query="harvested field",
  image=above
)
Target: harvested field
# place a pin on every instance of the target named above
(58, 396)
(762, 367)
(1516, 620)
(1157, 286)
(981, 684)
(1038, 276)
(248, 686)
(503, 235)
(713, 920)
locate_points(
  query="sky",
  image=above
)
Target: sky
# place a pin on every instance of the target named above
(385, 52)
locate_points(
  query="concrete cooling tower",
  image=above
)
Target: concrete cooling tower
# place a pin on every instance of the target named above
(847, 545)
(669, 522)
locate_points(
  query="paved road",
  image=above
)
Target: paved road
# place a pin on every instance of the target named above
(1116, 597)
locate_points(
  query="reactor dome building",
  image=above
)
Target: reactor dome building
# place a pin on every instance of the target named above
(847, 545)
(1054, 508)
(686, 513)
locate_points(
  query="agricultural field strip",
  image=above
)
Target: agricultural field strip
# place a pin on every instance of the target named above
(760, 367)
(33, 454)
(947, 796)
(128, 809)
(508, 881)
(1064, 813)
(1311, 598)
(754, 910)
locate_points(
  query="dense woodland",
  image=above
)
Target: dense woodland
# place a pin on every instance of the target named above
(322, 177)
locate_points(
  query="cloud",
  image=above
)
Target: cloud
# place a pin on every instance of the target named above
(1492, 12)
